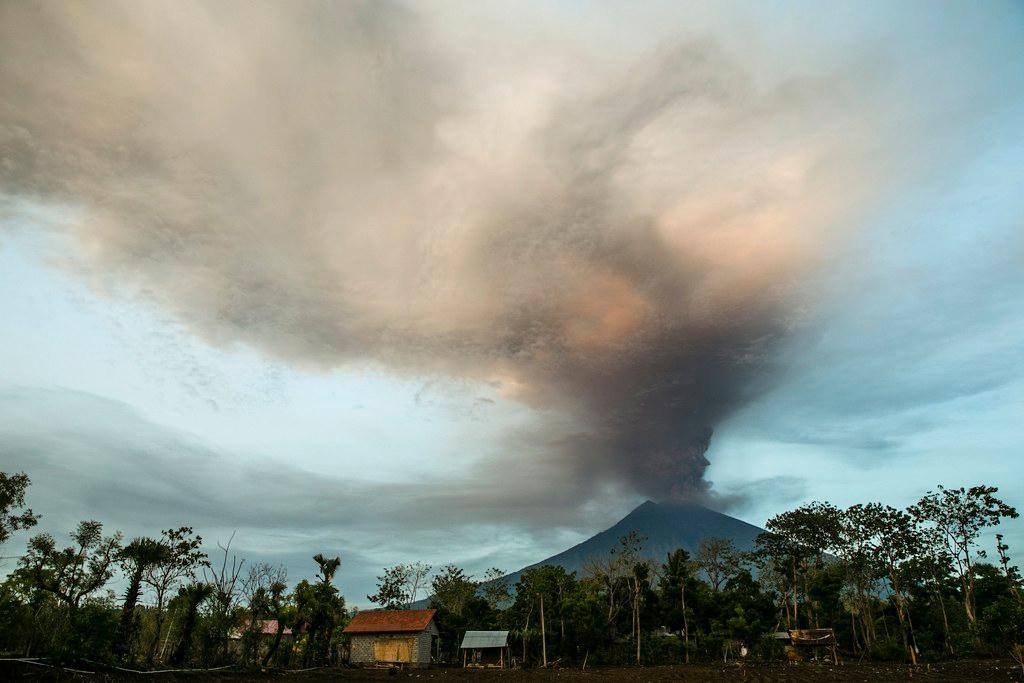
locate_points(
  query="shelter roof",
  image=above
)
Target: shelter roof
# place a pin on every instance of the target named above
(390, 621)
(476, 640)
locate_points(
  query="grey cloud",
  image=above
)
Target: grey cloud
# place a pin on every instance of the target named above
(91, 457)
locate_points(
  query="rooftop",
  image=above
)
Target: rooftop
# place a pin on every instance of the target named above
(476, 640)
(390, 621)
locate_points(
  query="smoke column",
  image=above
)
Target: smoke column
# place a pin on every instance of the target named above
(616, 237)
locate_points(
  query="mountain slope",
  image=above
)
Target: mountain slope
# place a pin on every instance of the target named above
(666, 526)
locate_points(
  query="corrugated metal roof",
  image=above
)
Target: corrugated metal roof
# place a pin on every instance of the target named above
(390, 621)
(475, 640)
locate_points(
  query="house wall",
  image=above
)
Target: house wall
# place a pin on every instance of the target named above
(361, 645)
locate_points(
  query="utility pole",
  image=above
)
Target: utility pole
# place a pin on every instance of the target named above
(543, 636)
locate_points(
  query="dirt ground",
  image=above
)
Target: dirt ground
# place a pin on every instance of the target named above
(970, 670)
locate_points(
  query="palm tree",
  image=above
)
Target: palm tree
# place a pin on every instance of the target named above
(328, 567)
(319, 605)
(136, 558)
(277, 604)
(192, 595)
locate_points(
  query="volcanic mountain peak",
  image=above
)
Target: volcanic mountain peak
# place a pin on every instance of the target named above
(665, 527)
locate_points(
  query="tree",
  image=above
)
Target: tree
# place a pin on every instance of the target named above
(321, 608)
(677, 575)
(225, 583)
(930, 568)
(453, 589)
(418, 572)
(639, 580)
(393, 588)
(637, 574)
(190, 597)
(800, 538)
(854, 545)
(605, 576)
(718, 559)
(136, 559)
(1011, 572)
(893, 541)
(495, 588)
(184, 557)
(72, 573)
(959, 515)
(256, 589)
(14, 516)
(278, 601)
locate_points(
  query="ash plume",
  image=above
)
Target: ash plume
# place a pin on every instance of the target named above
(617, 237)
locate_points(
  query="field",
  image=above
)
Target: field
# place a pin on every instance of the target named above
(968, 670)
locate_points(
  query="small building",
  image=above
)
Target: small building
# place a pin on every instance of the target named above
(485, 649)
(264, 627)
(404, 637)
(808, 637)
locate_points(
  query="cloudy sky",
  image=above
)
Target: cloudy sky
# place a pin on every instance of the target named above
(468, 281)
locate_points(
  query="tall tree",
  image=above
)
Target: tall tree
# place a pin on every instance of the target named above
(719, 560)
(893, 540)
(637, 574)
(256, 590)
(14, 516)
(136, 559)
(183, 560)
(453, 589)
(959, 516)
(495, 588)
(800, 538)
(224, 580)
(191, 596)
(418, 572)
(393, 588)
(321, 608)
(677, 576)
(278, 601)
(74, 572)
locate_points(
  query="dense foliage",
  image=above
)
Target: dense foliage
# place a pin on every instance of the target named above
(908, 585)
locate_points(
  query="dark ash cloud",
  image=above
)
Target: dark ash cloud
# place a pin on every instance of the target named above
(622, 250)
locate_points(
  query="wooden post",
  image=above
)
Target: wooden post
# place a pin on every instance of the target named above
(543, 637)
(463, 659)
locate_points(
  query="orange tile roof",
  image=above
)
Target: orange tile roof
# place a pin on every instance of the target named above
(390, 621)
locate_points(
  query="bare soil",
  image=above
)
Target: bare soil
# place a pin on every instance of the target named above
(967, 670)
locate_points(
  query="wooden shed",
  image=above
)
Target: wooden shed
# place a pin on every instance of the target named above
(485, 649)
(404, 637)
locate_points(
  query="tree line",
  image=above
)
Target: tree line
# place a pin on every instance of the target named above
(910, 584)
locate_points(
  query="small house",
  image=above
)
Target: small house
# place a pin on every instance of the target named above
(263, 627)
(485, 649)
(403, 637)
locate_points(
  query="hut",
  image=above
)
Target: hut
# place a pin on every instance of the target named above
(808, 637)
(402, 637)
(485, 649)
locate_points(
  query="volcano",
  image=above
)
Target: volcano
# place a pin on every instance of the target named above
(666, 526)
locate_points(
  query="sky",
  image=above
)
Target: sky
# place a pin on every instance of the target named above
(466, 282)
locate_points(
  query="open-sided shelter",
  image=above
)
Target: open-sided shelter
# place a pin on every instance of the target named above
(485, 649)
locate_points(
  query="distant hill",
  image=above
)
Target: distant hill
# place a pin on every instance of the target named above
(667, 526)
